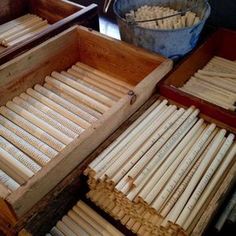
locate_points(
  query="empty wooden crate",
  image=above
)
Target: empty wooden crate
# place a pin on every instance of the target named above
(37, 20)
(59, 101)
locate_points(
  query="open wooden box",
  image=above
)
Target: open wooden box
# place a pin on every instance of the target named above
(219, 44)
(60, 14)
(135, 66)
(74, 187)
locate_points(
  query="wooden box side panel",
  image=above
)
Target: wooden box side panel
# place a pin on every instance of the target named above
(12, 9)
(53, 10)
(116, 58)
(32, 67)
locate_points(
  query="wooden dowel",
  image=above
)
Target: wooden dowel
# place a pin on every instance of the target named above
(37, 143)
(20, 156)
(64, 229)
(56, 232)
(86, 90)
(65, 131)
(40, 123)
(66, 104)
(95, 83)
(7, 181)
(35, 154)
(4, 191)
(218, 74)
(52, 113)
(210, 187)
(104, 75)
(58, 108)
(187, 163)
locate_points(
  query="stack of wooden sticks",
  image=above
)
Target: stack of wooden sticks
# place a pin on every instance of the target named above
(215, 83)
(38, 124)
(20, 29)
(82, 220)
(159, 173)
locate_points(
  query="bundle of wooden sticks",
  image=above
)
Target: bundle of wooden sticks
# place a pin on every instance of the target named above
(155, 12)
(82, 220)
(215, 83)
(20, 29)
(159, 173)
(38, 124)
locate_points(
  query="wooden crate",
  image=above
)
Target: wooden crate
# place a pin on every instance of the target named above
(74, 187)
(60, 14)
(219, 44)
(138, 68)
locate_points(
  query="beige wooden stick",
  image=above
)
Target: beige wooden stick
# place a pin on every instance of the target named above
(86, 90)
(95, 83)
(216, 66)
(24, 146)
(75, 102)
(56, 232)
(224, 62)
(211, 73)
(64, 229)
(20, 156)
(204, 180)
(210, 187)
(66, 104)
(25, 135)
(4, 191)
(75, 228)
(7, 181)
(9, 161)
(82, 222)
(104, 75)
(40, 123)
(187, 163)
(58, 108)
(52, 113)
(78, 95)
(65, 131)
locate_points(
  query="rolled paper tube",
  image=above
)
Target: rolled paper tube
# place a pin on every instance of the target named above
(101, 168)
(147, 145)
(95, 83)
(52, 113)
(218, 74)
(83, 223)
(44, 148)
(88, 85)
(104, 75)
(32, 152)
(145, 141)
(210, 187)
(88, 91)
(9, 161)
(4, 191)
(78, 95)
(64, 229)
(120, 140)
(58, 108)
(72, 108)
(75, 228)
(98, 218)
(7, 181)
(22, 32)
(148, 131)
(173, 141)
(187, 162)
(98, 79)
(11, 24)
(66, 132)
(75, 102)
(204, 180)
(18, 155)
(26, 36)
(40, 123)
(56, 232)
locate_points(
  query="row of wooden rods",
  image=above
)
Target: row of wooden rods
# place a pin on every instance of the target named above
(38, 124)
(20, 29)
(83, 221)
(160, 172)
(215, 83)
